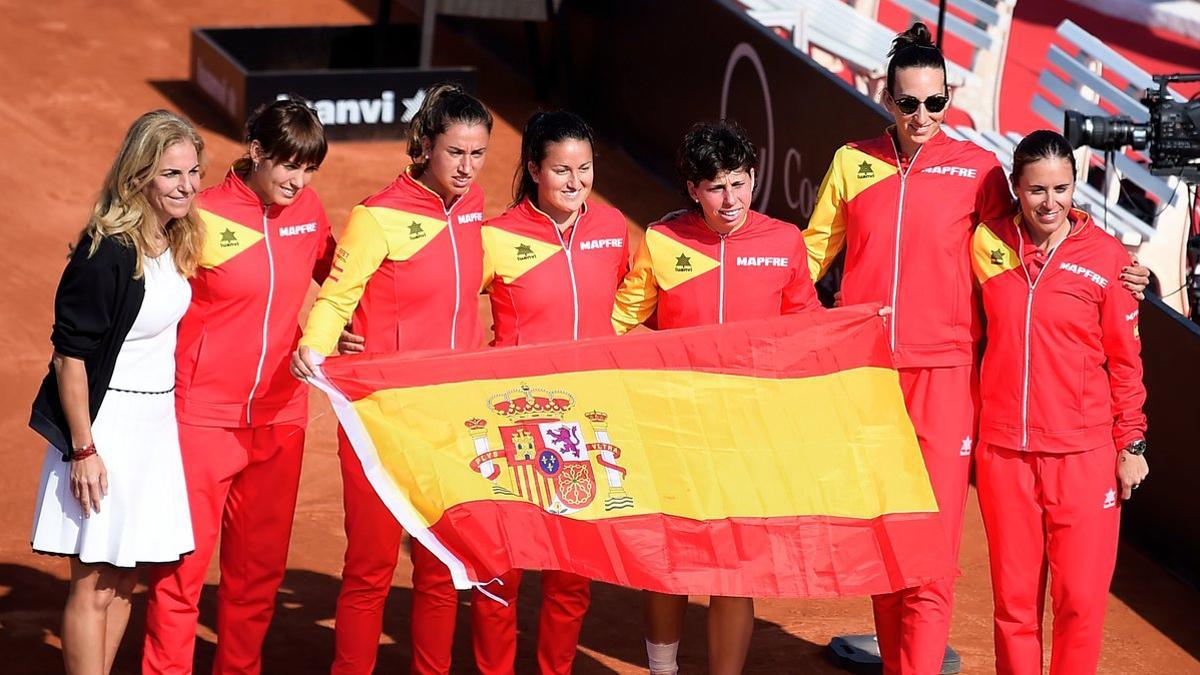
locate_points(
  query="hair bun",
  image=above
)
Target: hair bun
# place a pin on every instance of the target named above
(916, 36)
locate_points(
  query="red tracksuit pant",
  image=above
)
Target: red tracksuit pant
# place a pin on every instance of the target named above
(372, 548)
(913, 625)
(565, 599)
(1057, 514)
(241, 485)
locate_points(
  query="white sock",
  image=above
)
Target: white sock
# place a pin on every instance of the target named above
(662, 658)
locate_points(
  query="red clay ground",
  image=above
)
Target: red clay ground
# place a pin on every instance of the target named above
(75, 73)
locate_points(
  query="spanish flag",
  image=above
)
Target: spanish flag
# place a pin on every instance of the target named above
(767, 458)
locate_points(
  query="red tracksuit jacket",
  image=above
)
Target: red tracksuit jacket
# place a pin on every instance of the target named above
(693, 276)
(239, 332)
(409, 271)
(1062, 371)
(906, 231)
(546, 286)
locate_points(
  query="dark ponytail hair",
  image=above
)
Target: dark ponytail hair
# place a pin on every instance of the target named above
(286, 129)
(1043, 144)
(713, 148)
(542, 129)
(445, 105)
(913, 48)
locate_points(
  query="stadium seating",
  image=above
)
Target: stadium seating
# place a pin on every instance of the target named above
(836, 28)
(857, 39)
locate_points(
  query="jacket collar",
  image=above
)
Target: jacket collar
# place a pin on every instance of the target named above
(243, 195)
(419, 191)
(527, 210)
(696, 220)
(930, 148)
(1081, 229)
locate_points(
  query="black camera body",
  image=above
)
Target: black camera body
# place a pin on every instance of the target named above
(1172, 134)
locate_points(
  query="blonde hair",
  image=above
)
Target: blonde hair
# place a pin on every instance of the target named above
(122, 210)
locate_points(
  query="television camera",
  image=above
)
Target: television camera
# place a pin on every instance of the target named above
(1172, 134)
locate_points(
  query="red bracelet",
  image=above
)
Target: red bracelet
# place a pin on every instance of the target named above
(84, 452)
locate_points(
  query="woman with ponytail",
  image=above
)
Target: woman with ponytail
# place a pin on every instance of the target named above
(241, 417)
(1061, 432)
(112, 495)
(553, 261)
(903, 207)
(408, 272)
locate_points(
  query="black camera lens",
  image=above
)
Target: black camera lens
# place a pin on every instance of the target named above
(1104, 133)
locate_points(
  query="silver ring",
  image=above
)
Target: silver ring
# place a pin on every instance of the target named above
(1136, 486)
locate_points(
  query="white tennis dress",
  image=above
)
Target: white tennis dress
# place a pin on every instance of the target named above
(144, 517)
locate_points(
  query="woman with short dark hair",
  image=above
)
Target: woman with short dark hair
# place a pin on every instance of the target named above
(687, 273)
(241, 416)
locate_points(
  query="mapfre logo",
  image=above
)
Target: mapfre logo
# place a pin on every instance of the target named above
(475, 217)
(1085, 273)
(960, 171)
(293, 230)
(592, 244)
(761, 261)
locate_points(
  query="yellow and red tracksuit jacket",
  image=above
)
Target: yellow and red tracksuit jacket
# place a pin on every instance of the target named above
(238, 335)
(409, 271)
(693, 276)
(547, 286)
(906, 230)
(1062, 371)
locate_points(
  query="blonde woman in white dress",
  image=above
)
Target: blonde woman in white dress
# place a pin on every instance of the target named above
(112, 492)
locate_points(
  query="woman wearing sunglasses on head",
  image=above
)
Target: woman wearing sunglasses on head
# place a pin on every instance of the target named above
(903, 206)
(1061, 430)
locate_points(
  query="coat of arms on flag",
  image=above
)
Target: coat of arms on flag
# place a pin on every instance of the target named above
(544, 457)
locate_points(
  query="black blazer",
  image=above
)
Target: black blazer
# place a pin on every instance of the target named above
(95, 306)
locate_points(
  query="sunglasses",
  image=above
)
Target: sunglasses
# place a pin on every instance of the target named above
(909, 104)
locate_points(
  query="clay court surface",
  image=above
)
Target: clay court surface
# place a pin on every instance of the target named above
(74, 74)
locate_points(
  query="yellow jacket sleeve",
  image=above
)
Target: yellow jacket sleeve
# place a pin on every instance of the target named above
(360, 252)
(826, 232)
(637, 296)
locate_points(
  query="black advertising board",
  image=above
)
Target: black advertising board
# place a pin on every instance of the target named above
(1162, 516)
(644, 72)
(362, 80)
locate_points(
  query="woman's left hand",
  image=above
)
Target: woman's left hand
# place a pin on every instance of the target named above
(1131, 471)
(1136, 278)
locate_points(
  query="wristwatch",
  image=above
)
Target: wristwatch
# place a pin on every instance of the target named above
(1137, 447)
